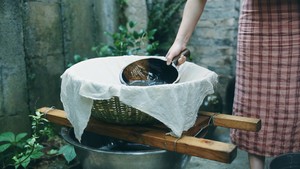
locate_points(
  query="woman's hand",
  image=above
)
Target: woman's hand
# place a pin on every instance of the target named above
(174, 51)
(191, 14)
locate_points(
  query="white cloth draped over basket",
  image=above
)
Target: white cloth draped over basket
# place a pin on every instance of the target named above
(175, 105)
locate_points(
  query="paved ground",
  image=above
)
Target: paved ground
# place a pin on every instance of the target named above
(241, 161)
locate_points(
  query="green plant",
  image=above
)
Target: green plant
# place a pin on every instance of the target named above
(164, 16)
(19, 150)
(128, 41)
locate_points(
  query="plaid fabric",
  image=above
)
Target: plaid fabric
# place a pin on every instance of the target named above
(268, 76)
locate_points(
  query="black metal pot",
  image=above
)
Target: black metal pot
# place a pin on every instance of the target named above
(151, 71)
(286, 161)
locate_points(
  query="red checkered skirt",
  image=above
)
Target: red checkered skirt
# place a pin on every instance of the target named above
(268, 76)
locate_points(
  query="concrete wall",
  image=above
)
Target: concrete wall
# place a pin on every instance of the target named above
(43, 44)
(13, 81)
(137, 11)
(84, 24)
(38, 38)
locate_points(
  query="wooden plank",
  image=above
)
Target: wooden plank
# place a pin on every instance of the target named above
(59, 117)
(199, 147)
(236, 122)
(55, 116)
(156, 136)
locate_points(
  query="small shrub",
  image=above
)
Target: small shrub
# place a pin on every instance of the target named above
(20, 150)
(128, 41)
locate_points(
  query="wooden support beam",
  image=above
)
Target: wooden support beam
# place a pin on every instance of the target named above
(236, 122)
(156, 136)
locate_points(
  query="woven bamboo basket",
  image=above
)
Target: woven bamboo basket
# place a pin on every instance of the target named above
(114, 111)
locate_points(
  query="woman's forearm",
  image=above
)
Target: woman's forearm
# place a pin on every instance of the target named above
(191, 15)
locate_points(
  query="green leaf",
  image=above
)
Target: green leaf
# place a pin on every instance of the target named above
(36, 154)
(122, 28)
(94, 48)
(68, 152)
(7, 136)
(52, 152)
(31, 141)
(4, 147)
(20, 136)
(151, 34)
(142, 32)
(77, 58)
(17, 166)
(69, 65)
(45, 120)
(25, 162)
(131, 24)
(39, 114)
(135, 35)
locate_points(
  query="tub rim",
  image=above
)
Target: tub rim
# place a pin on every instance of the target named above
(65, 133)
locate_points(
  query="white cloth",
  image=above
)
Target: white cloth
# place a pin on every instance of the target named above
(175, 105)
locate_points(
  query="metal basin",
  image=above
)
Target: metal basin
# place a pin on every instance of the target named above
(102, 152)
(286, 161)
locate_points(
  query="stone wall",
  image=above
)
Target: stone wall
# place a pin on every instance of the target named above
(13, 80)
(38, 39)
(43, 43)
(54, 32)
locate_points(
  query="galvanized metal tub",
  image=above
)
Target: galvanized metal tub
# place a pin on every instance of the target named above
(286, 161)
(102, 152)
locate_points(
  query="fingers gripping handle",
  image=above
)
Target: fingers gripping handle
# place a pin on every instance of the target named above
(185, 53)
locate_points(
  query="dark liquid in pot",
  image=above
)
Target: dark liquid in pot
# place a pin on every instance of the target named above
(146, 82)
(152, 79)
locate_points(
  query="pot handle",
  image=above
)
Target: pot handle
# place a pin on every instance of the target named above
(186, 52)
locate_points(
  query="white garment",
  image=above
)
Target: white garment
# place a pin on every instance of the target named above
(175, 105)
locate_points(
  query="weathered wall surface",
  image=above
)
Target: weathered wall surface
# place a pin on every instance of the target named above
(38, 38)
(137, 11)
(13, 86)
(44, 51)
(84, 23)
(215, 37)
